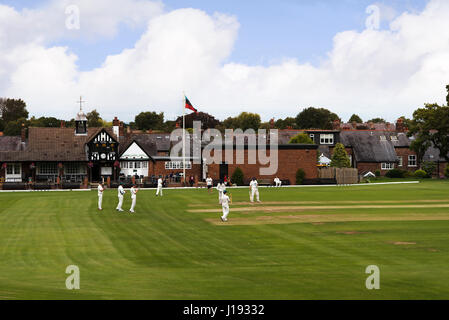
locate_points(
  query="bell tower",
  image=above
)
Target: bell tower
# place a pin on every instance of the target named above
(81, 121)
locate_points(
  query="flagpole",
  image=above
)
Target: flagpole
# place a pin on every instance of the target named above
(184, 139)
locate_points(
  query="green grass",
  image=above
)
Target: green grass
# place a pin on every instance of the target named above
(165, 252)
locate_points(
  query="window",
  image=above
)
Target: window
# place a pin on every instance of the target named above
(124, 165)
(74, 168)
(394, 138)
(383, 138)
(137, 165)
(412, 161)
(326, 139)
(170, 165)
(312, 136)
(13, 169)
(144, 164)
(47, 168)
(399, 161)
(130, 165)
(387, 166)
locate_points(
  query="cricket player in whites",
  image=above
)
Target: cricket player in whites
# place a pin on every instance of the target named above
(225, 201)
(159, 187)
(278, 182)
(100, 196)
(121, 193)
(134, 191)
(254, 190)
(221, 188)
(209, 183)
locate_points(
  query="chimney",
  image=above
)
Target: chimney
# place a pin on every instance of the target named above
(371, 125)
(336, 124)
(272, 123)
(121, 129)
(354, 124)
(116, 126)
(23, 133)
(128, 130)
(400, 125)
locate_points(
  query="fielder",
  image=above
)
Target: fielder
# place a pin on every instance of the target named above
(209, 183)
(121, 193)
(100, 196)
(159, 187)
(225, 201)
(278, 182)
(221, 188)
(254, 190)
(134, 191)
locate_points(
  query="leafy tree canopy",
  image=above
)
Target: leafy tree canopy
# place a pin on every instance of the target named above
(149, 121)
(207, 121)
(316, 118)
(301, 138)
(94, 119)
(355, 118)
(12, 109)
(430, 125)
(340, 157)
(377, 120)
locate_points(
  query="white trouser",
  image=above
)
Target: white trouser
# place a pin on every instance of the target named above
(159, 190)
(254, 192)
(220, 195)
(100, 201)
(225, 212)
(120, 202)
(278, 184)
(133, 204)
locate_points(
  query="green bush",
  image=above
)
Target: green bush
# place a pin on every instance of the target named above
(429, 167)
(237, 177)
(377, 173)
(420, 174)
(395, 173)
(408, 174)
(300, 175)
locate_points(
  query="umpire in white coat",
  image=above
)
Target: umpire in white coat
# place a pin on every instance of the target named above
(121, 193)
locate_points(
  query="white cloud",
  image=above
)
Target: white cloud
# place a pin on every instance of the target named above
(385, 73)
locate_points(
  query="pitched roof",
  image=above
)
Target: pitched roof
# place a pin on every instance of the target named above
(144, 141)
(53, 144)
(368, 146)
(8, 143)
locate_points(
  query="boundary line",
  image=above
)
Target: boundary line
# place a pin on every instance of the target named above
(241, 187)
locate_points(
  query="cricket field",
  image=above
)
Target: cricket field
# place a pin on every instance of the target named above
(299, 243)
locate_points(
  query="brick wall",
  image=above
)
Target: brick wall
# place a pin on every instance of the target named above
(158, 168)
(404, 153)
(289, 161)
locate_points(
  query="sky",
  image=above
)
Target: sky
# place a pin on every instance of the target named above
(376, 59)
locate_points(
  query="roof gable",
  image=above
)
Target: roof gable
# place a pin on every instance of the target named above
(134, 152)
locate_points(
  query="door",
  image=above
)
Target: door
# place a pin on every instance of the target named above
(223, 170)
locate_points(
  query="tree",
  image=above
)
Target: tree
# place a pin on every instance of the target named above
(355, 118)
(149, 121)
(49, 122)
(207, 121)
(14, 128)
(316, 118)
(13, 109)
(447, 97)
(429, 167)
(94, 119)
(377, 120)
(244, 121)
(301, 138)
(2, 125)
(282, 124)
(430, 126)
(340, 157)
(237, 177)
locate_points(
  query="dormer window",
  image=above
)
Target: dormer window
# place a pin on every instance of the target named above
(326, 139)
(394, 138)
(383, 138)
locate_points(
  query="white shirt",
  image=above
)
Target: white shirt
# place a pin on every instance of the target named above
(121, 191)
(133, 192)
(100, 190)
(253, 184)
(159, 182)
(221, 187)
(225, 200)
(209, 181)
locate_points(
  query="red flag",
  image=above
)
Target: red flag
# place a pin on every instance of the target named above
(189, 105)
